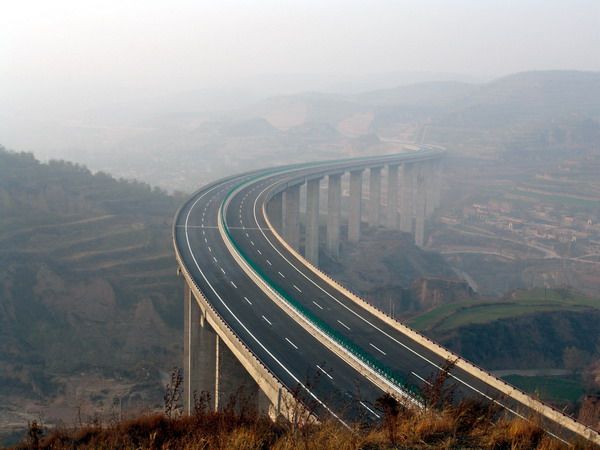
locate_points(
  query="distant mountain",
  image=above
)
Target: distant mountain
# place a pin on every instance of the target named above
(87, 281)
(423, 95)
(528, 97)
(529, 109)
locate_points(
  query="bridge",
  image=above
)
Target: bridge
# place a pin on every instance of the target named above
(262, 319)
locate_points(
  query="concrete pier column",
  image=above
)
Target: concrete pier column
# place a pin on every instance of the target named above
(291, 216)
(275, 210)
(354, 212)
(429, 184)
(311, 246)
(234, 387)
(334, 214)
(406, 207)
(198, 353)
(374, 196)
(421, 197)
(392, 197)
(437, 182)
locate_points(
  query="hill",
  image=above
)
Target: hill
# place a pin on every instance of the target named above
(87, 287)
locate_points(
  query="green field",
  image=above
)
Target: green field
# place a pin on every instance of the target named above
(555, 389)
(453, 315)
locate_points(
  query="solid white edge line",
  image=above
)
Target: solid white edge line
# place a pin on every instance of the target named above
(288, 371)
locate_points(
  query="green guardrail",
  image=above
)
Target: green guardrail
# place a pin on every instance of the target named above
(381, 369)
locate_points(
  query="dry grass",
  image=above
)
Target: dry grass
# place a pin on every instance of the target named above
(468, 425)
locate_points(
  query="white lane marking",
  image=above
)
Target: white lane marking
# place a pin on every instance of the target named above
(205, 241)
(292, 344)
(259, 252)
(209, 249)
(378, 349)
(247, 235)
(266, 350)
(269, 262)
(321, 369)
(252, 242)
(233, 284)
(318, 306)
(222, 270)
(422, 379)
(215, 259)
(424, 358)
(344, 325)
(249, 302)
(267, 320)
(297, 288)
(281, 275)
(370, 410)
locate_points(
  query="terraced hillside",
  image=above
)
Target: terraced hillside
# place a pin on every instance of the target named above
(546, 341)
(87, 285)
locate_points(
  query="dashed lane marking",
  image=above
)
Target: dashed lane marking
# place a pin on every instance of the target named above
(344, 325)
(378, 349)
(321, 369)
(292, 344)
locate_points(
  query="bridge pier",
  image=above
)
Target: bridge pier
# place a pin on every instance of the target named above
(406, 198)
(392, 196)
(311, 243)
(209, 367)
(420, 203)
(354, 213)
(429, 184)
(198, 353)
(291, 216)
(374, 196)
(334, 214)
(275, 210)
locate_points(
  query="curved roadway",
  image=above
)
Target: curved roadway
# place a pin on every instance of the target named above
(294, 355)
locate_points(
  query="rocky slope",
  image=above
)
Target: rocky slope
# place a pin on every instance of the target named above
(87, 285)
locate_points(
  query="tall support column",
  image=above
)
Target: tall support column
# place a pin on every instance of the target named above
(429, 188)
(275, 210)
(291, 221)
(198, 353)
(392, 196)
(438, 182)
(234, 387)
(374, 196)
(311, 246)
(354, 213)
(334, 213)
(421, 196)
(406, 207)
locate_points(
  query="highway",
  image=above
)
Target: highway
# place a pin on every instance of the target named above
(297, 356)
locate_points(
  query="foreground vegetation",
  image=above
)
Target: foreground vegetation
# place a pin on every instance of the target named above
(466, 426)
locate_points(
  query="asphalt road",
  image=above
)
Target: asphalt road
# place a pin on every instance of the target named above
(295, 356)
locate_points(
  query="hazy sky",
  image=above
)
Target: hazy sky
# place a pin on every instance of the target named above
(64, 47)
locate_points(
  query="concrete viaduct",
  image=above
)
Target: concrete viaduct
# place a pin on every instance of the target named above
(264, 324)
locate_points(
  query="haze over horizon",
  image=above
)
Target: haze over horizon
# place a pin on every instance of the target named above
(66, 56)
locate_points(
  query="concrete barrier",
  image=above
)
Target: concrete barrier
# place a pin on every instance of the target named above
(283, 401)
(364, 369)
(507, 389)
